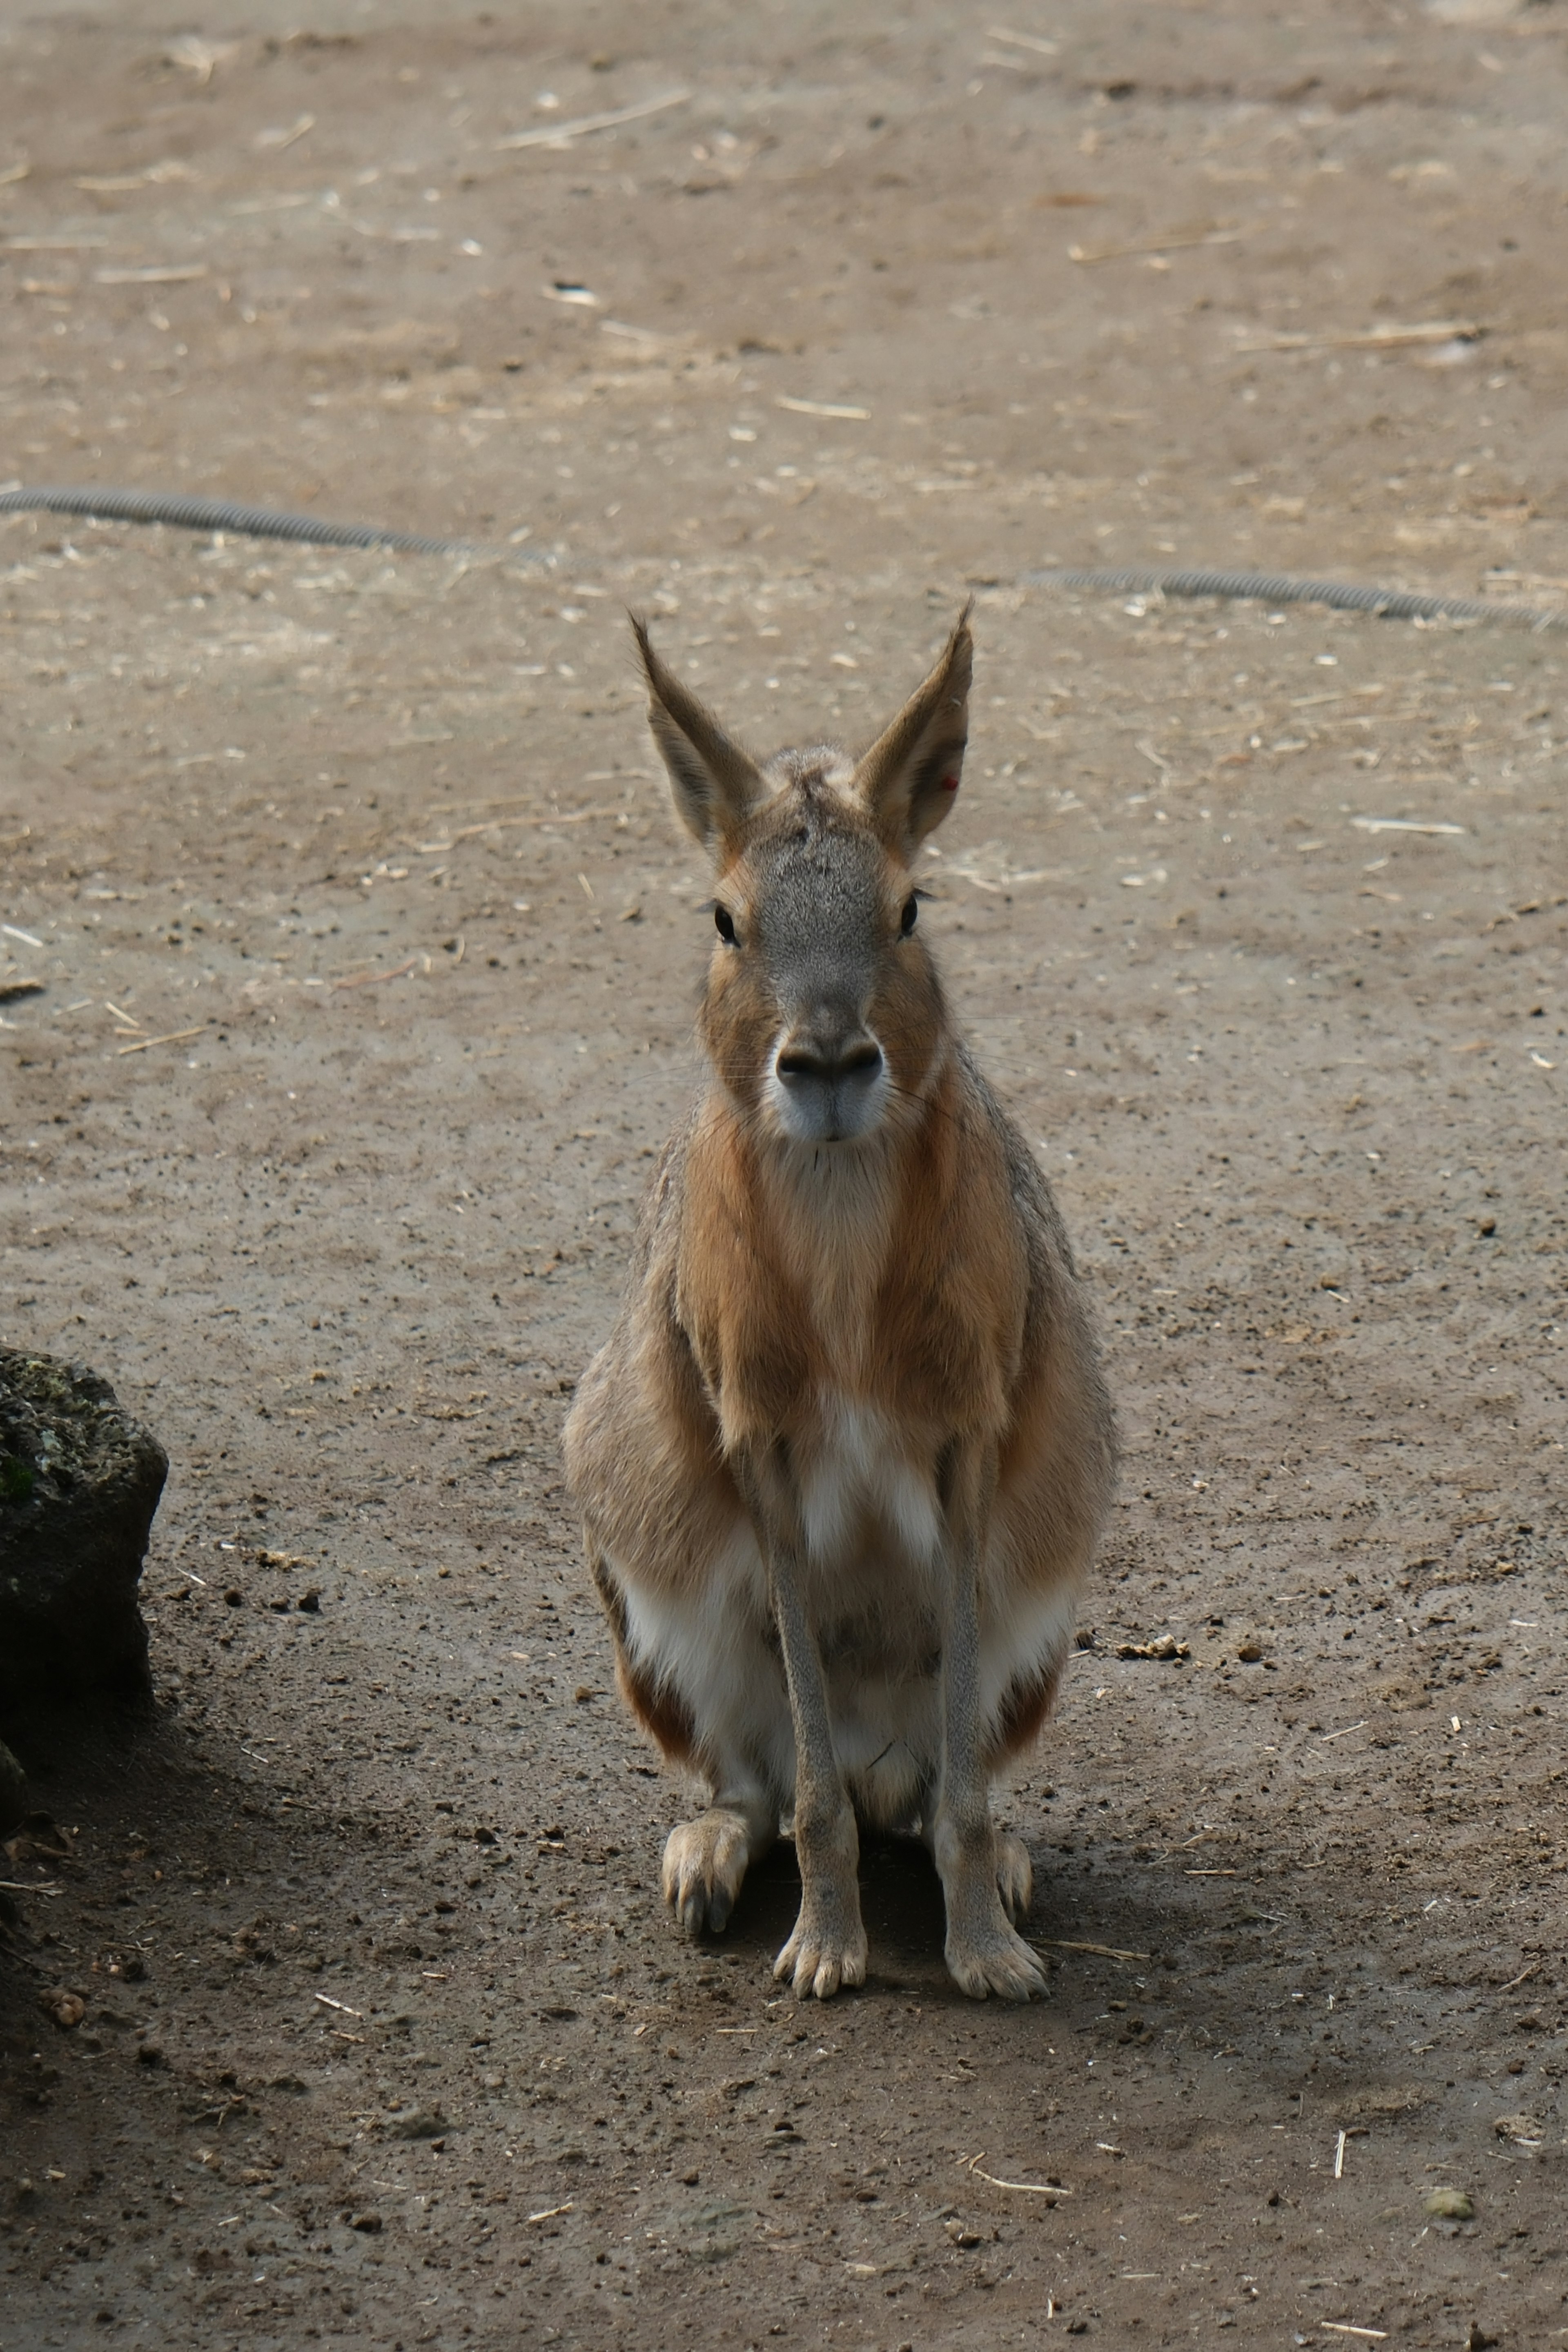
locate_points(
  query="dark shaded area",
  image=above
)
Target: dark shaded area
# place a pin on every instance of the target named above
(12, 1790)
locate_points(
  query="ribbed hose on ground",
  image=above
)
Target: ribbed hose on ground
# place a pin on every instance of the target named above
(1271, 588)
(217, 514)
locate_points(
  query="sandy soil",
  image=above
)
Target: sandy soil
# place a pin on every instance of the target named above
(370, 948)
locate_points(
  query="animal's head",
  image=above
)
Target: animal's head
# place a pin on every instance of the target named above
(822, 1012)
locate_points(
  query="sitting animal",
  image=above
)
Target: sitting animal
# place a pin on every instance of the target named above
(843, 1461)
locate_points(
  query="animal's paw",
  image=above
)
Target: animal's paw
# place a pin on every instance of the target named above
(704, 1862)
(990, 1957)
(1015, 1875)
(828, 1947)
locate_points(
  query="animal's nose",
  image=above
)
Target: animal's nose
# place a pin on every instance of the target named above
(829, 1061)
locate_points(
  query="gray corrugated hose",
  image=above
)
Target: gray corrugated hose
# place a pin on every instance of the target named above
(1270, 588)
(217, 514)
(1281, 588)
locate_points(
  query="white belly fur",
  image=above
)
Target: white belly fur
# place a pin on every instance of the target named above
(873, 1536)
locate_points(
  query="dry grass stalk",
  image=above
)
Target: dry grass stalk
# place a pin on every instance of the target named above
(561, 134)
(172, 1037)
(823, 408)
(369, 979)
(1372, 339)
(1086, 257)
(496, 823)
(1100, 1951)
(1025, 2188)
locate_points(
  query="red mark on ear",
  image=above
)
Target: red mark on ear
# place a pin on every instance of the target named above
(950, 783)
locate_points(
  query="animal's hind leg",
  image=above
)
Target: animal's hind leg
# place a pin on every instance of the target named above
(1015, 1870)
(1015, 1875)
(704, 1685)
(985, 1952)
(705, 1859)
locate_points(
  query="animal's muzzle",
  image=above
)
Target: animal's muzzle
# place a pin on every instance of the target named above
(831, 1064)
(829, 1086)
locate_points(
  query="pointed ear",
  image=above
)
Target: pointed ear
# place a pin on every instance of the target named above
(909, 779)
(715, 782)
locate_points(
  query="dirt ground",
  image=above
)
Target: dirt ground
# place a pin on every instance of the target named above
(370, 948)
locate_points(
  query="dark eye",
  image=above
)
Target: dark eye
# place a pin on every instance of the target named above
(907, 919)
(724, 924)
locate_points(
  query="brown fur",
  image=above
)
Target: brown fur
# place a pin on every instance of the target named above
(1021, 1717)
(661, 1714)
(853, 1311)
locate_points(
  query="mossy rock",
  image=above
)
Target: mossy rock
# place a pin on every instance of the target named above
(79, 1481)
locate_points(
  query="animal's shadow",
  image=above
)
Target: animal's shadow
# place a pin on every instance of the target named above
(901, 1904)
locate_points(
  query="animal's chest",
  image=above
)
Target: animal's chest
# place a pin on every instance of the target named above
(869, 1508)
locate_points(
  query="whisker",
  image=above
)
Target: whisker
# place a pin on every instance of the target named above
(929, 1103)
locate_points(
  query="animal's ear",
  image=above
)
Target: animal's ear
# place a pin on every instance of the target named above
(909, 779)
(716, 784)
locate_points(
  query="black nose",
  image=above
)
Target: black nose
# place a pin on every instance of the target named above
(826, 1064)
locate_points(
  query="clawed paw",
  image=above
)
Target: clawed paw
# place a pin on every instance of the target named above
(827, 1950)
(704, 1864)
(994, 1958)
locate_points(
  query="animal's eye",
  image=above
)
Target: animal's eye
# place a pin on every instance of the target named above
(907, 919)
(724, 924)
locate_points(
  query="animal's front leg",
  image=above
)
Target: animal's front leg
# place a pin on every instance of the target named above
(706, 1860)
(827, 1948)
(984, 1954)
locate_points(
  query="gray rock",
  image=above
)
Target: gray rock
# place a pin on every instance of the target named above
(80, 1482)
(418, 2123)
